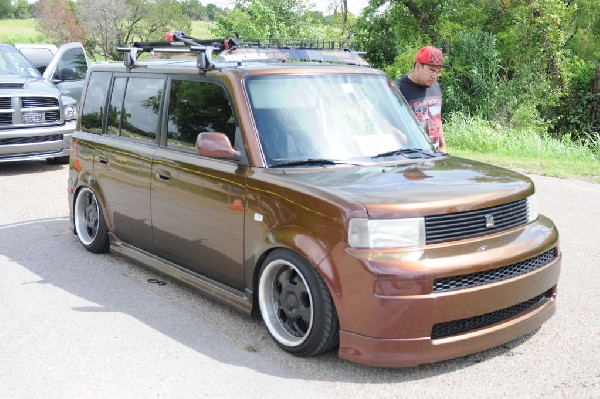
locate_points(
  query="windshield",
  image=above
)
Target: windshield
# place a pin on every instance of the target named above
(12, 62)
(344, 118)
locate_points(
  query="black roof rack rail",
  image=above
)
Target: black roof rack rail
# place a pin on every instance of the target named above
(234, 51)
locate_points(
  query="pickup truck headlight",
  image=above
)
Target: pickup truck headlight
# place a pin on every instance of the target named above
(532, 208)
(386, 233)
(70, 112)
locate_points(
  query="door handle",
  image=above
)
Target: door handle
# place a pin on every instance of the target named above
(163, 175)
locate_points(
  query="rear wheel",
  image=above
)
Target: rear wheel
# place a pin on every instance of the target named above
(296, 306)
(89, 222)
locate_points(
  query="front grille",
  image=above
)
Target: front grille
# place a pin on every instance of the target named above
(39, 102)
(461, 225)
(491, 276)
(450, 328)
(29, 111)
(5, 103)
(31, 140)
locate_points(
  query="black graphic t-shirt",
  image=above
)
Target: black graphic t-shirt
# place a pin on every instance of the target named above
(426, 103)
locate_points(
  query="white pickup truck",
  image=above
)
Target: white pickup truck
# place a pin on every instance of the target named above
(40, 86)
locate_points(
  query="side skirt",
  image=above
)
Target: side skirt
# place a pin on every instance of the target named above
(235, 299)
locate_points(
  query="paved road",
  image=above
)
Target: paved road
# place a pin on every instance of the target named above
(78, 325)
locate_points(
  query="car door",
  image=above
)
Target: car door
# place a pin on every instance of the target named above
(68, 68)
(197, 202)
(123, 155)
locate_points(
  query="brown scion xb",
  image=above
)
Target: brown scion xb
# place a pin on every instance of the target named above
(296, 182)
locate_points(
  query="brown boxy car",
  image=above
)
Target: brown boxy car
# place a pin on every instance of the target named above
(307, 192)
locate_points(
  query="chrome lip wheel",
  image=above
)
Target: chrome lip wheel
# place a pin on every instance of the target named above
(286, 303)
(86, 216)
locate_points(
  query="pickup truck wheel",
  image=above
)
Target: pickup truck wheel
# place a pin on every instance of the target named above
(89, 222)
(296, 306)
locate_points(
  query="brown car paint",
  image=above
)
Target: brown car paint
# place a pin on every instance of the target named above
(219, 219)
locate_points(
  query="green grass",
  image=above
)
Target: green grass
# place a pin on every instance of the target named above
(524, 150)
(19, 31)
(202, 29)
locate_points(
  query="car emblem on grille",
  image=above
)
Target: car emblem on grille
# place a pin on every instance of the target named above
(489, 221)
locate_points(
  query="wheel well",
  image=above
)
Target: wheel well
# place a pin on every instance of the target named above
(258, 266)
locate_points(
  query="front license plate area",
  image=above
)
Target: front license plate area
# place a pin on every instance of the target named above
(34, 117)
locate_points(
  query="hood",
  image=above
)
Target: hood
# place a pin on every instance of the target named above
(416, 189)
(13, 85)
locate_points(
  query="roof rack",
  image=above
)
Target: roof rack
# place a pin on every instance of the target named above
(235, 51)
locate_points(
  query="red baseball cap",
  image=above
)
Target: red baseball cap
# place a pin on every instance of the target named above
(431, 56)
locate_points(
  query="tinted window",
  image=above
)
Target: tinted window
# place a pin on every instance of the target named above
(115, 107)
(95, 101)
(74, 60)
(197, 107)
(134, 108)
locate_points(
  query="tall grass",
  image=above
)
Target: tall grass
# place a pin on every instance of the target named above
(19, 31)
(526, 148)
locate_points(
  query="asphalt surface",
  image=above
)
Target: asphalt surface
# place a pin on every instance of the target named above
(78, 325)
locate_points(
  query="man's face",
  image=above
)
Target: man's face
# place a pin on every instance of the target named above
(426, 75)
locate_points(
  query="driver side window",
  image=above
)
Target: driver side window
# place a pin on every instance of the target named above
(196, 107)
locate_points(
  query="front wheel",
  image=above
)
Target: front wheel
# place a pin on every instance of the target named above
(296, 306)
(89, 222)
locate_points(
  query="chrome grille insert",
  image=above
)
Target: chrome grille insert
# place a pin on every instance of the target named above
(29, 111)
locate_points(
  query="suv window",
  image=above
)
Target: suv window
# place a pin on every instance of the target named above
(134, 107)
(92, 113)
(197, 107)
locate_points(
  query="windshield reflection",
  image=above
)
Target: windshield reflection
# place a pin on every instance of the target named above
(337, 117)
(12, 62)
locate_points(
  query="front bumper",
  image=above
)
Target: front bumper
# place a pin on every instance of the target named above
(391, 313)
(36, 143)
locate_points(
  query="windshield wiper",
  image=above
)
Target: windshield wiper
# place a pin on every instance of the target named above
(407, 152)
(309, 161)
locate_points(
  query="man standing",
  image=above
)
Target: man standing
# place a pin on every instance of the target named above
(423, 93)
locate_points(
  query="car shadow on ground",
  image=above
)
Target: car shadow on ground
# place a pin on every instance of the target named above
(28, 167)
(113, 284)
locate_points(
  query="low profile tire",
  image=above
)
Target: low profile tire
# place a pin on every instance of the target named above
(89, 222)
(296, 306)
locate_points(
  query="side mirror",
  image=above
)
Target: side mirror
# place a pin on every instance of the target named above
(65, 74)
(215, 145)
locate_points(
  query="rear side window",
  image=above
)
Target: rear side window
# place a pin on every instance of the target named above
(94, 104)
(197, 107)
(134, 108)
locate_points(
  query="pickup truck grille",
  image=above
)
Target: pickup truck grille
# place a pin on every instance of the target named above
(29, 111)
(462, 225)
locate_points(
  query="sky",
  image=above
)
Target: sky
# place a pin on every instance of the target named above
(354, 6)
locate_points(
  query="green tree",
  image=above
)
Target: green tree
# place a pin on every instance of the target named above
(6, 9)
(112, 23)
(21, 9)
(267, 19)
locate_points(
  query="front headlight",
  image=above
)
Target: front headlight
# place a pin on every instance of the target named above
(532, 208)
(70, 112)
(386, 233)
